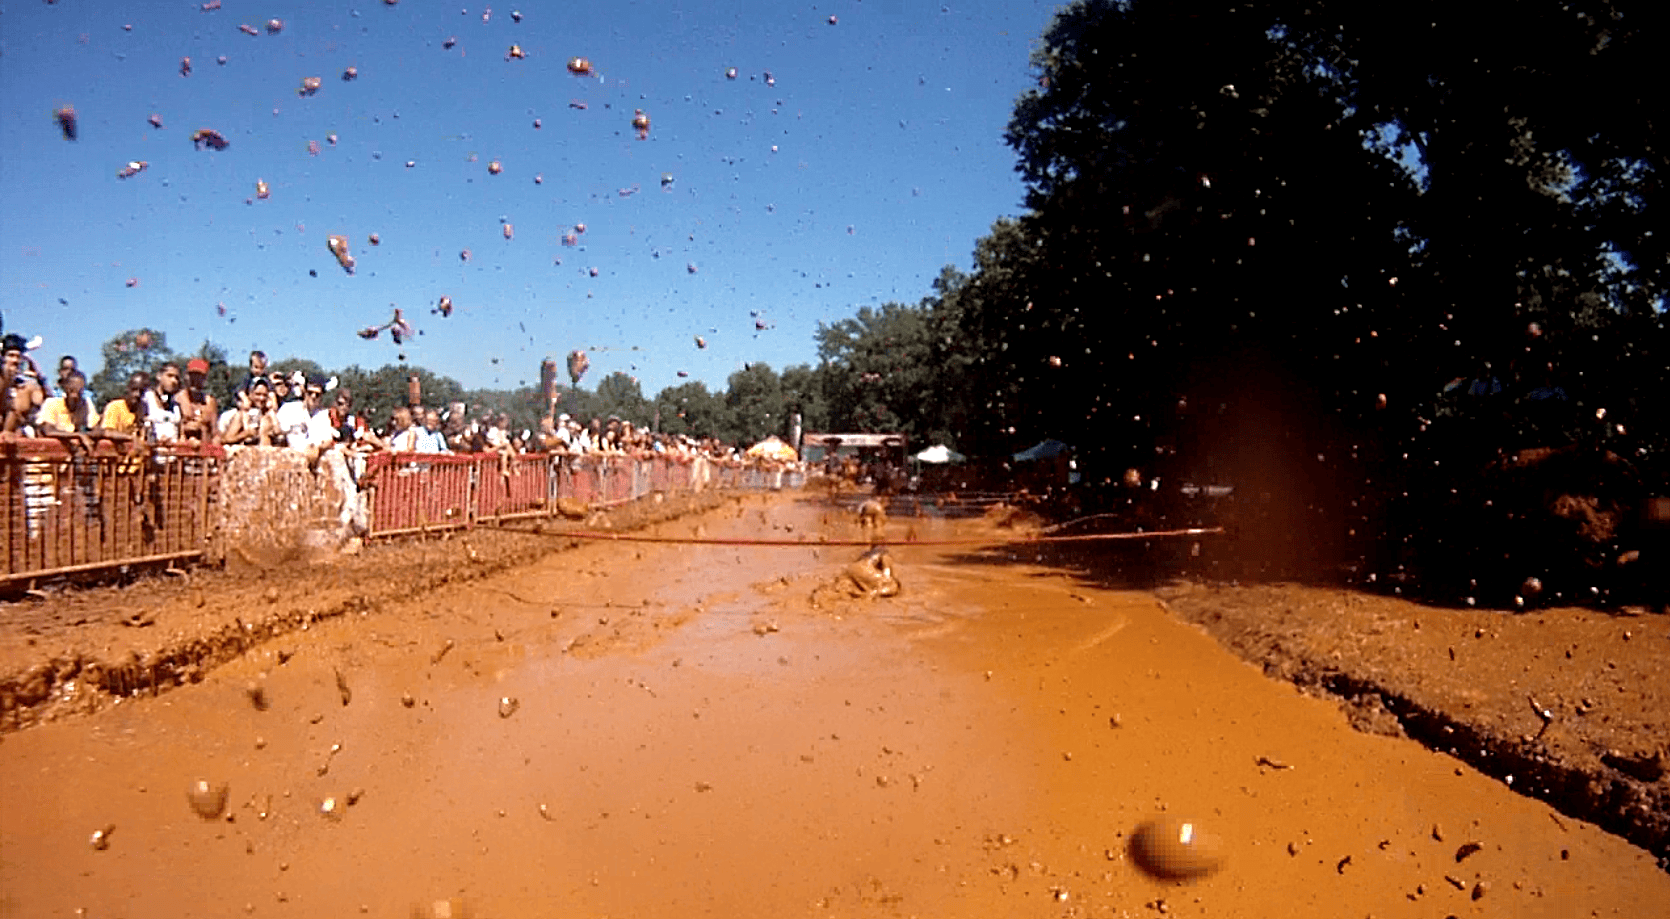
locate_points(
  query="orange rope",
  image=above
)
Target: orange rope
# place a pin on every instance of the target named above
(814, 544)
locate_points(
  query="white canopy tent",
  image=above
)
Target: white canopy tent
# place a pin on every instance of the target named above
(939, 454)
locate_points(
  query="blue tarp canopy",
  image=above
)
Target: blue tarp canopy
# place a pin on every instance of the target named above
(1046, 449)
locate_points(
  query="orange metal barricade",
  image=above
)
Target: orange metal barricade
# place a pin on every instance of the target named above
(69, 512)
(512, 486)
(417, 492)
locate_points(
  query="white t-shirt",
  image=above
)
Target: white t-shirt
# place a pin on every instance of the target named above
(162, 421)
(293, 422)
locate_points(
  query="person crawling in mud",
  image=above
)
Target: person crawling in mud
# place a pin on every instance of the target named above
(872, 517)
(871, 575)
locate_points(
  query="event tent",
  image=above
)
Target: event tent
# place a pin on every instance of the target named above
(773, 448)
(939, 453)
(1046, 449)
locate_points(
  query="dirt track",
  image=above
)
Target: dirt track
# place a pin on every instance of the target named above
(688, 734)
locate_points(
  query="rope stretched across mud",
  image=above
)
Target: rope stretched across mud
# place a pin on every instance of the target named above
(817, 543)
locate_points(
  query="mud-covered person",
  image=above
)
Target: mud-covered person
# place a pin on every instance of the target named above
(872, 517)
(335, 444)
(199, 412)
(23, 395)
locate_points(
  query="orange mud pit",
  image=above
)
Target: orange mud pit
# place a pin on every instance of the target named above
(676, 730)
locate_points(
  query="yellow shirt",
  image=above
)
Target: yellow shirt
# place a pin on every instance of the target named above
(56, 413)
(119, 418)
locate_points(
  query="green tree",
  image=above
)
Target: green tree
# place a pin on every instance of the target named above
(125, 354)
(755, 406)
(620, 394)
(690, 409)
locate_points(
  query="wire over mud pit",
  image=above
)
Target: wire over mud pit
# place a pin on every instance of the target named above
(819, 543)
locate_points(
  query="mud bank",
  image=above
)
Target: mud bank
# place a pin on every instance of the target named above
(73, 650)
(1567, 705)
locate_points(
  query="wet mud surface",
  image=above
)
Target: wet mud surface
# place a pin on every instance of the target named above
(675, 730)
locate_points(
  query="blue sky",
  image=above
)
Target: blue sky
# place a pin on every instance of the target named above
(888, 164)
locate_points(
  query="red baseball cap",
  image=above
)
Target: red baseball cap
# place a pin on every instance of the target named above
(197, 365)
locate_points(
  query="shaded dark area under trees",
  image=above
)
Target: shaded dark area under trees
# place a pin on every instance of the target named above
(1345, 257)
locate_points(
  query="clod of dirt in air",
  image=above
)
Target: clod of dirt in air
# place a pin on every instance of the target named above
(1176, 849)
(133, 282)
(407, 700)
(1273, 762)
(701, 342)
(494, 168)
(257, 694)
(261, 189)
(436, 658)
(515, 53)
(769, 79)
(640, 123)
(331, 808)
(1055, 361)
(312, 148)
(577, 105)
(351, 74)
(570, 239)
(1466, 849)
(509, 231)
(208, 799)
(132, 169)
(539, 178)
(100, 840)
(248, 29)
(730, 73)
(537, 124)
(545, 812)
(449, 43)
(579, 228)
(832, 20)
(185, 66)
(275, 26)
(464, 256)
(339, 248)
(221, 60)
(342, 688)
(374, 239)
(444, 307)
(208, 137)
(578, 364)
(508, 706)
(155, 120)
(592, 272)
(579, 66)
(310, 85)
(65, 116)
(411, 164)
(666, 180)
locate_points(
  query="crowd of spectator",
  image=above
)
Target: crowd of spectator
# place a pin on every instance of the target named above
(307, 414)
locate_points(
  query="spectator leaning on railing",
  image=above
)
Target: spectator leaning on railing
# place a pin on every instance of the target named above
(199, 413)
(71, 414)
(162, 409)
(254, 425)
(23, 394)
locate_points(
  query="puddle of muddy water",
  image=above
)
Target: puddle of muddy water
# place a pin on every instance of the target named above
(981, 745)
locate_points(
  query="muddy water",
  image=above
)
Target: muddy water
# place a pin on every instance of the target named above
(689, 732)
